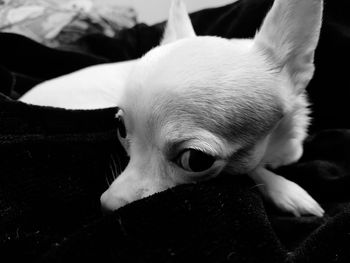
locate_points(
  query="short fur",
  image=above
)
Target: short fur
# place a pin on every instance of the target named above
(242, 102)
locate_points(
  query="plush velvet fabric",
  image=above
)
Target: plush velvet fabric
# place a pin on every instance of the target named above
(54, 164)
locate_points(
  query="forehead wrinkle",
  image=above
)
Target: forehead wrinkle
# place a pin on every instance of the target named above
(228, 102)
(235, 118)
(174, 137)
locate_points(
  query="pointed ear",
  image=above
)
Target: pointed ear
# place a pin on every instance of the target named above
(289, 35)
(179, 24)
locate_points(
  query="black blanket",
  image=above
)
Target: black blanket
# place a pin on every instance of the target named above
(54, 162)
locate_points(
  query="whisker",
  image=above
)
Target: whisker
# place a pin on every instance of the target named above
(110, 174)
(257, 186)
(114, 173)
(119, 165)
(107, 181)
(115, 167)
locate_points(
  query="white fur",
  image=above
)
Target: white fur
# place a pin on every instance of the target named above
(241, 101)
(95, 87)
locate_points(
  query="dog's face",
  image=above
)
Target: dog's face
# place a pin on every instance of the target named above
(197, 106)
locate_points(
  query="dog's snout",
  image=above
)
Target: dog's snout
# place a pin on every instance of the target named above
(137, 181)
(109, 203)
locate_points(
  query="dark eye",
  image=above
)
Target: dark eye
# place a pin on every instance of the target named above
(121, 125)
(195, 161)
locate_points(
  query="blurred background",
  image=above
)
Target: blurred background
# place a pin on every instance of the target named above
(62, 23)
(152, 11)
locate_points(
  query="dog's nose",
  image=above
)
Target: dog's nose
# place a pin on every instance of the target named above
(109, 203)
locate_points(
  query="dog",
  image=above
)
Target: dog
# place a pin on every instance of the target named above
(196, 106)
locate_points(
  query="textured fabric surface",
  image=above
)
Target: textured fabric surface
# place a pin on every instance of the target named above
(61, 23)
(54, 164)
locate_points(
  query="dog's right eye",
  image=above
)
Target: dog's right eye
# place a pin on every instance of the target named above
(121, 128)
(195, 161)
(121, 125)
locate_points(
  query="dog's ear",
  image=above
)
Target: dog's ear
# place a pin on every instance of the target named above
(179, 24)
(289, 35)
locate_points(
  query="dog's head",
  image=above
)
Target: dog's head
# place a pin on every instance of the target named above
(198, 105)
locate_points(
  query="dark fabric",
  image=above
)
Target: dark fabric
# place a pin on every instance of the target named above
(54, 164)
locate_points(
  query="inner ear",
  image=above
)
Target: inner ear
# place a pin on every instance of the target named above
(289, 36)
(179, 23)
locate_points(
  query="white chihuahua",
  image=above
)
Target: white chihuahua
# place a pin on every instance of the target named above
(199, 105)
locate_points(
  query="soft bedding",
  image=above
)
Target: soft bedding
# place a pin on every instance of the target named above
(54, 164)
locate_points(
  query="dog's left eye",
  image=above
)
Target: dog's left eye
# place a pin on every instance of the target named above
(195, 161)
